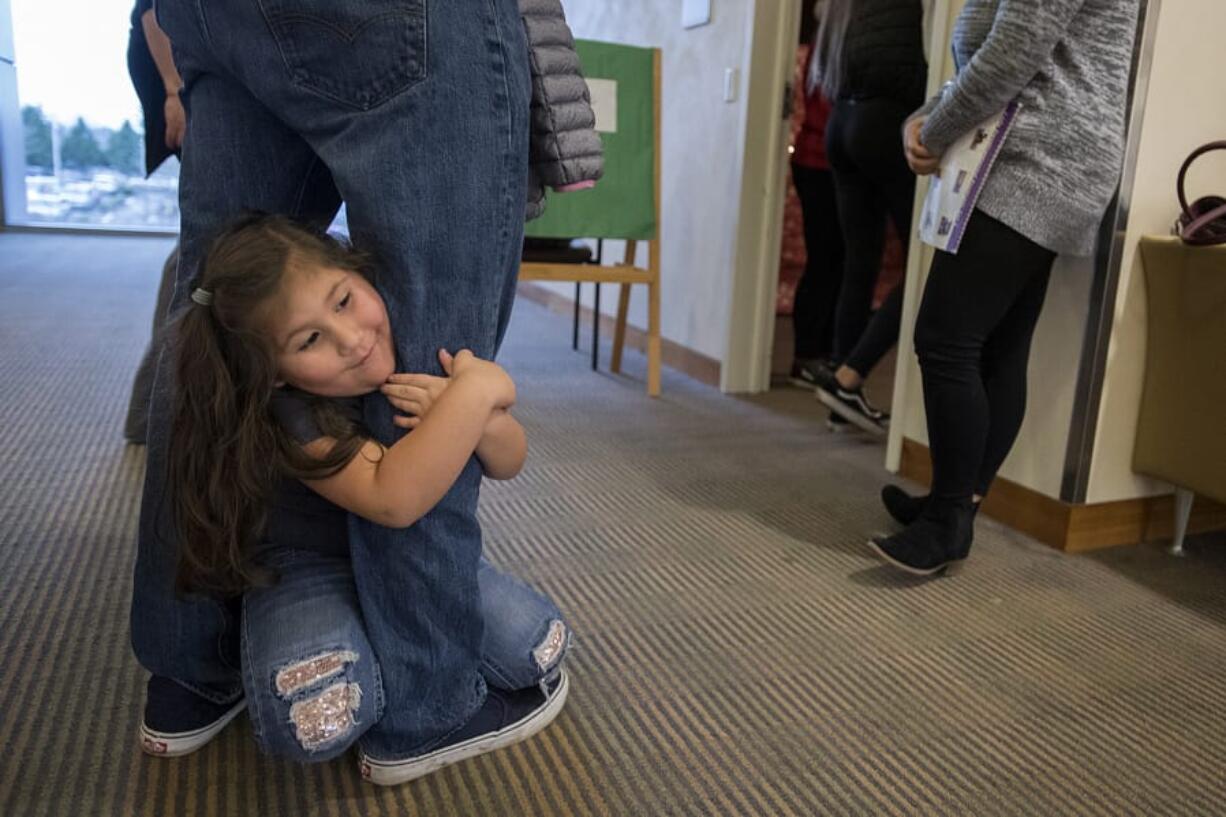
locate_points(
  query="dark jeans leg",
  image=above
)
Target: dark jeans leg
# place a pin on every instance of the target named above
(817, 292)
(236, 156)
(968, 301)
(137, 422)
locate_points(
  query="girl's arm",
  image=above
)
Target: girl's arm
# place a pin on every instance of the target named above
(396, 486)
(1023, 36)
(503, 447)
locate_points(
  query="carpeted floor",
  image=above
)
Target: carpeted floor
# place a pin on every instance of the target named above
(739, 652)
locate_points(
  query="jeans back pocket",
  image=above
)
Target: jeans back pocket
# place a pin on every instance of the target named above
(359, 54)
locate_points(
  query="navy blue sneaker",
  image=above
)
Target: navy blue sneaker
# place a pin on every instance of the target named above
(178, 721)
(505, 718)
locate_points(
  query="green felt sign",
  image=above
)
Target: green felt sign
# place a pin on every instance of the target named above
(622, 204)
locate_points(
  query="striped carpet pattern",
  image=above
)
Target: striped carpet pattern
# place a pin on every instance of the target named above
(738, 651)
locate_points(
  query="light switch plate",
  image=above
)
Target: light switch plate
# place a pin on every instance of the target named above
(695, 13)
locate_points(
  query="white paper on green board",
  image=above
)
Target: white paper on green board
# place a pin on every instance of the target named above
(604, 103)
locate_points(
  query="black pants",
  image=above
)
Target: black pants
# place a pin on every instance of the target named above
(817, 292)
(864, 142)
(973, 337)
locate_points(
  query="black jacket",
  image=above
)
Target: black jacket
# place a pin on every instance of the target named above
(883, 51)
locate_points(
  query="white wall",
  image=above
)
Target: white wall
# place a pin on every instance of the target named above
(1185, 107)
(701, 159)
(1037, 458)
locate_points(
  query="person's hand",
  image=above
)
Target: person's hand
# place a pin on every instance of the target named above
(176, 121)
(921, 161)
(500, 387)
(413, 395)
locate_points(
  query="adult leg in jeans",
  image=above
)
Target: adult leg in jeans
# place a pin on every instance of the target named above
(237, 155)
(436, 187)
(137, 421)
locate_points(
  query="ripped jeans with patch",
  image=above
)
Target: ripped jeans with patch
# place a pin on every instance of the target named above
(313, 683)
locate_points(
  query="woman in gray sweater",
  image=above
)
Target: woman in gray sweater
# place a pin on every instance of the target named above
(1067, 61)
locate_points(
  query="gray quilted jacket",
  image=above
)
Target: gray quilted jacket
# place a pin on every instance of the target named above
(565, 149)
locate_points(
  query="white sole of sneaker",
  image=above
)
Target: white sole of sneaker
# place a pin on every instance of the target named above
(850, 415)
(951, 568)
(176, 744)
(395, 772)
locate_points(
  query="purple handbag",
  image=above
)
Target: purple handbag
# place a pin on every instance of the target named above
(1203, 222)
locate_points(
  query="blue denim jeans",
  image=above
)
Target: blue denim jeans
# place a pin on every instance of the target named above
(313, 680)
(416, 113)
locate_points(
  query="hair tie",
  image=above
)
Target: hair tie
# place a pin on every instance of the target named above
(202, 296)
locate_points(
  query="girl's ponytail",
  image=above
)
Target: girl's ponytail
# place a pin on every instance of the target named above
(223, 458)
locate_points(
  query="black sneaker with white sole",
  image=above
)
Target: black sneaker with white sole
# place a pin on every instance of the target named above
(504, 719)
(178, 721)
(851, 404)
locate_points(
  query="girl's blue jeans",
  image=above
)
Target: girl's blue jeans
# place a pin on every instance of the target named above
(313, 681)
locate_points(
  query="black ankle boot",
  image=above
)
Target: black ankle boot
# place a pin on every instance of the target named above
(905, 508)
(901, 505)
(940, 539)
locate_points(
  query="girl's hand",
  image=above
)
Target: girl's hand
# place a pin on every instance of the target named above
(412, 394)
(500, 387)
(921, 161)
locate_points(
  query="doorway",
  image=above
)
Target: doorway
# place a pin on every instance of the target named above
(807, 157)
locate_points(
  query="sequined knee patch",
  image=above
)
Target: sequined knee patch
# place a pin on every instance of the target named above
(548, 651)
(326, 716)
(311, 671)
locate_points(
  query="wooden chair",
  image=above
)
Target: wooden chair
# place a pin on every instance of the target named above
(625, 204)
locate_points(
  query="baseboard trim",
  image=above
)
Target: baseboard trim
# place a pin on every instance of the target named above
(1075, 528)
(673, 355)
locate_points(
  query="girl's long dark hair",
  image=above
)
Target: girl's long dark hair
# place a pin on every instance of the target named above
(829, 65)
(227, 452)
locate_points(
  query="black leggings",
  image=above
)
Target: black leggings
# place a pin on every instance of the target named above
(818, 289)
(864, 142)
(973, 337)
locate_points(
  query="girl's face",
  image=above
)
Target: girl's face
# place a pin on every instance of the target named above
(330, 332)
